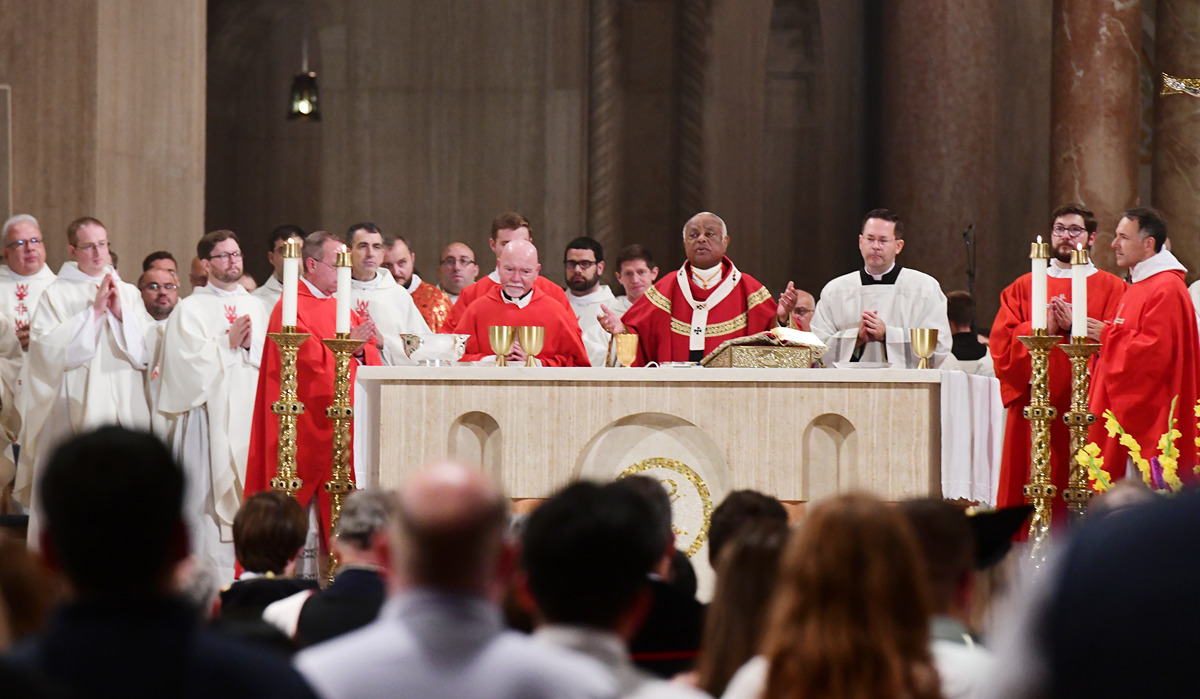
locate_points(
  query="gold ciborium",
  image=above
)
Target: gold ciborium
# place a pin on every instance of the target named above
(531, 339)
(500, 337)
(627, 344)
(924, 341)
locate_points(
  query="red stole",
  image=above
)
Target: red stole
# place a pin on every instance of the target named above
(484, 287)
(315, 375)
(1012, 364)
(434, 305)
(564, 343)
(662, 317)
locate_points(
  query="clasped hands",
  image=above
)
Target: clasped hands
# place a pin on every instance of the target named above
(108, 298)
(871, 328)
(239, 333)
(1058, 319)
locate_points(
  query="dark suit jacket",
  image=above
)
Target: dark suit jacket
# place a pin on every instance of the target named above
(151, 647)
(352, 601)
(245, 600)
(669, 641)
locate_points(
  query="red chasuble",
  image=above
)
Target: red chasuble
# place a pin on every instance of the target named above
(1149, 357)
(563, 347)
(1011, 360)
(434, 305)
(314, 384)
(485, 286)
(662, 318)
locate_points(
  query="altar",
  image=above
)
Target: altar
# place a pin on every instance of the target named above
(797, 434)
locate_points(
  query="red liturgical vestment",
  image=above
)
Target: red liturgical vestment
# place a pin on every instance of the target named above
(1011, 360)
(434, 305)
(563, 346)
(665, 320)
(485, 286)
(1149, 357)
(315, 373)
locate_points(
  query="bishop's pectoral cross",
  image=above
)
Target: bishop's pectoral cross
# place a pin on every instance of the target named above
(1180, 86)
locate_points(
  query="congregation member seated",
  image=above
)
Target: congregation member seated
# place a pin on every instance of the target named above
(357, 592)
(126, 634)
(740, 510)
(850, 617)
(737, 615)
(518, 301)
(268, 535)
(669, 640)
(585, 554)
(442, 634)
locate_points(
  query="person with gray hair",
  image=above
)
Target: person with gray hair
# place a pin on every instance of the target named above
(442, 634)
(23, 277)
(708, 296)
(354, 597)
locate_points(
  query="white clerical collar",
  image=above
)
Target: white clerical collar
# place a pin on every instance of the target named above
(879, 277)
(315, 291)
(413, 283)
(381, 280)
(274, 284)
(1162, 261)
(706, 277)
(40, 274)
(1065, 272)
(495, 276)
(519, 303)
(238, 290)
(71, 272)
(598, 295)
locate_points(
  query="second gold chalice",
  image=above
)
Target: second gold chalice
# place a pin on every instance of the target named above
(500, 337)
(531, 338)
(924, 341)
(627, 344)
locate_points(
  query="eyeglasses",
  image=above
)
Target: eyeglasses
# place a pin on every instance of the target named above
(693, 236)
(93, 247)
(22, 243)
(457, 262)
(581, 265)
(225, 256)
(1067, 232)
(155, 286)
(803, 311)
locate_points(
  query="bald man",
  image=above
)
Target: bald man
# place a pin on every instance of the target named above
(517, 301)
(442, 634)
(802, 314)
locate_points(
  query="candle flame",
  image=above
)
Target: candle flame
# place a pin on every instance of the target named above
(1039, 240)
(1079, 246)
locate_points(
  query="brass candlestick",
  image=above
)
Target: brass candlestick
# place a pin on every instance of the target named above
(1039, 490)
(288, 407)
(1078, 494)
(341, 480)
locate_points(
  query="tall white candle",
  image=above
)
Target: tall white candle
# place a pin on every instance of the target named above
(291, 279)
(1079, 262)
(343, 292)
(1039, 255)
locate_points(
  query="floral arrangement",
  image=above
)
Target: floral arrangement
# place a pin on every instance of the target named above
(1160, 473)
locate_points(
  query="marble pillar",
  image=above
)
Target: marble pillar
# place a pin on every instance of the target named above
(937, 147)
(1176, 158)
(1096, 110)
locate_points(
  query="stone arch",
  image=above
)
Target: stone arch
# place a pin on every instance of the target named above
(830, 452)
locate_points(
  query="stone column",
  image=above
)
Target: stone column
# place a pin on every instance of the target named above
(1176, 164)
(1096, 110)
(604, 123)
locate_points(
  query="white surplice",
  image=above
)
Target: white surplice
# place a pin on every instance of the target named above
(81, 372)
(160, 424)
(18, 297)
(269, 293)
(392, 308)
(915, 300)
(587, 308)
(208, 389)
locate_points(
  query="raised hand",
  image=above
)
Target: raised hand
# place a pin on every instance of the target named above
(102, 302)
(240, 332)
(787, 303)
(611, 322)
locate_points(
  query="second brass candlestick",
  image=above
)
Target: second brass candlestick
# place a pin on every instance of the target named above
(1039, 491)
(340, 412)
(1078, 493)
(288, 407)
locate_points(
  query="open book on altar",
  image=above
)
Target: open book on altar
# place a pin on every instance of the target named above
(774, 348)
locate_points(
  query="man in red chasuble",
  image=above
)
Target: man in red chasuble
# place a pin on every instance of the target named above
(1073, 225)
(517, 301)
(707, 301)
(1149, 357)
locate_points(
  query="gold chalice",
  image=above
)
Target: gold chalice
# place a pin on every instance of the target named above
(626, 348)
(924, 341)
(500, 337)
(532, 338)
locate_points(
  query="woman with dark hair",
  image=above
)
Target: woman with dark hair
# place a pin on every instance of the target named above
(850, 617)
(737, 615)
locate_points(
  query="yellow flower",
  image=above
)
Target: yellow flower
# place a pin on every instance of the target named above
(1131, 444)
(1170, 469)
(1094, 451)
(1143, 466)
(1197, 408)
(1111, 424)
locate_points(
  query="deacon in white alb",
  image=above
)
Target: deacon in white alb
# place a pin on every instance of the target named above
(87, 352)
(160, 294)
(866, 315)
(22, 280)
(583, 263)
(210, 359)
(272, 289)
(377, 295)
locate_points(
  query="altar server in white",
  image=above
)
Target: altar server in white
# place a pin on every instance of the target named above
(87, 352)
(22, 280)
(866, 315)
(377, 295)
(583, 263)
(210, 359)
